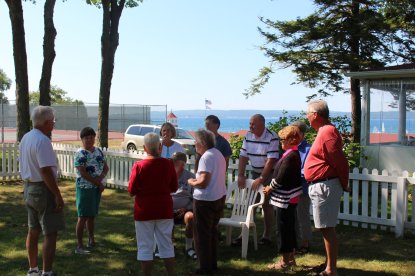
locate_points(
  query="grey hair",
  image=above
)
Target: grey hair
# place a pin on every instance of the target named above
(319, 106)
(40, 114)
(205, 137)
(301, 125)
(260, 117)
(169, 126)
(152, 143)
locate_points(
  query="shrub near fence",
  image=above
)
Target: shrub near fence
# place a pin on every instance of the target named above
(377, 200)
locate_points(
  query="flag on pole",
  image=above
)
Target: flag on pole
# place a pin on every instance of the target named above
(207, 104)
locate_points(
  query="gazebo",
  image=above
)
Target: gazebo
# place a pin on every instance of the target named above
(388, 117)
(172, 119)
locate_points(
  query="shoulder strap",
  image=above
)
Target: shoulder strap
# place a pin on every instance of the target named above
(100, 151)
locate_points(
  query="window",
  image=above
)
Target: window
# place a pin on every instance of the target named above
(145, 130)
(392, 112)
(134, 130)
(183, 134)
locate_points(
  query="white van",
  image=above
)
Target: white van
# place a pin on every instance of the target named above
(134, 137)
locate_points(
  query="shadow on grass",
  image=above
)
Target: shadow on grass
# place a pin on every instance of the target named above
(362, 251)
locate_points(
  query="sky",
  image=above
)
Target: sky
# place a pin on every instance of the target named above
(176, 53)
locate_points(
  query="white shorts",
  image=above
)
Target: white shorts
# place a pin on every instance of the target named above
(150, 232)
(325, 197)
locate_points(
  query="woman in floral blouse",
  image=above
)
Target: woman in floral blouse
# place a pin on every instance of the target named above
(91, 169)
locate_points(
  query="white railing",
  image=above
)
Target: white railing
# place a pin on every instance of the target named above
(378, 200)
(120, 164)
(9, 162)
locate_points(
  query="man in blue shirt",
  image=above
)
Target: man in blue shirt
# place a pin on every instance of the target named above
(303, 223)
(212, 123)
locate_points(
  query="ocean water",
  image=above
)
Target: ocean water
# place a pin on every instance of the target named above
(236, 124)
(226, 124)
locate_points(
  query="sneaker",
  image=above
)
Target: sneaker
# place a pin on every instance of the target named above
(94, 245)
(82, 251)
(34, 272)
(90, 245)
(49, 274)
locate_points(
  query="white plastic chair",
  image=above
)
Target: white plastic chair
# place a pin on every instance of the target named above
(243, 212)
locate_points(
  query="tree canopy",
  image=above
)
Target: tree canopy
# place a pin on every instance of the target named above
(126, 3)
(340, 36)
(57, 96)
(5, 84)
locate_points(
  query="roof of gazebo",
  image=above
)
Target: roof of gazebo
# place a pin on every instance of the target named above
(171, 116)
(390, 72)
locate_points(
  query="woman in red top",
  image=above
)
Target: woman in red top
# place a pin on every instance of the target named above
(152, 181)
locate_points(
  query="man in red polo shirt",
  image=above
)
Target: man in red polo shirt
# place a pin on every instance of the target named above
(327, 171)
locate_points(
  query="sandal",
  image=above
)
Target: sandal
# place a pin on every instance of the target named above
(281, 265)
(265, 241)
(191, 253)
(320, 268)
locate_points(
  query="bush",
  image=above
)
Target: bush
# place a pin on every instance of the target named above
(236, 145)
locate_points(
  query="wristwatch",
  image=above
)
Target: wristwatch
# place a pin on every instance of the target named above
(261, 177)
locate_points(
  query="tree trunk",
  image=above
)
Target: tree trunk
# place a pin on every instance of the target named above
(48, 53)
(356, 109)
(20, 65)
(109, 43)
(354, 66)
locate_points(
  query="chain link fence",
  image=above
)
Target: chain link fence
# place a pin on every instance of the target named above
(71, 118)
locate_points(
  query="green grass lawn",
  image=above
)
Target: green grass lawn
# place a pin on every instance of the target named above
(362, 251)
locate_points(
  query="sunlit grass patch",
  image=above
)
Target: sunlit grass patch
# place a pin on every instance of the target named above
(362, 251)
(116, 213)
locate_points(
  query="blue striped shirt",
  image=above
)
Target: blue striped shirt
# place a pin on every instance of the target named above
(258, 150)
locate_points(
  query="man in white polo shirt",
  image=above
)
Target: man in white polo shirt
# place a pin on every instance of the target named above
(44, 203)
(260, 148)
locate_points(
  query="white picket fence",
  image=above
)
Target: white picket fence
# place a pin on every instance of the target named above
(378, 199)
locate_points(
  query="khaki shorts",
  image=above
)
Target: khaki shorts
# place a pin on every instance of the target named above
(40, 205)
(325, 197)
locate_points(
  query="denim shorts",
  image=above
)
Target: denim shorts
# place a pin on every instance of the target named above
(325, 197)
(40, 205)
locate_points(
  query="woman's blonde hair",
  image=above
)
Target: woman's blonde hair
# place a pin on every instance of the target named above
(291, 134)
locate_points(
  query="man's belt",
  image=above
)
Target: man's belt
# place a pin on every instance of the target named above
(321, 180)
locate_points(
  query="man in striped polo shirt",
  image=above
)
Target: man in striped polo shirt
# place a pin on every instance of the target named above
(260, 148)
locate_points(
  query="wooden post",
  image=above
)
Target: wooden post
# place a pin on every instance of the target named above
(400, 207)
